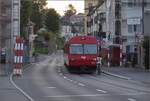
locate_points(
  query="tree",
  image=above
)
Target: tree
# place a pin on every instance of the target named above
(70, 11)
(26, 11)
(37, 13)
(52, 20)
(40, 4)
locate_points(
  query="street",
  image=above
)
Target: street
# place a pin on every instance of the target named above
(48, 80)
(46, 46)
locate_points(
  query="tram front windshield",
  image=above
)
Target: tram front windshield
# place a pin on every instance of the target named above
(83, 49)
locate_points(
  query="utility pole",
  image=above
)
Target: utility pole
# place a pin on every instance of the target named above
(143, 31)
(143, 3)
(15, 25)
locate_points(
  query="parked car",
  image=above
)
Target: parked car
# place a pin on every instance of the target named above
(3, 56)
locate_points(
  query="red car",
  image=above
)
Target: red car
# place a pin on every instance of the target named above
(80, 54)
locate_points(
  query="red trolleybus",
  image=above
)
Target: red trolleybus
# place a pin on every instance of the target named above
(80, 54)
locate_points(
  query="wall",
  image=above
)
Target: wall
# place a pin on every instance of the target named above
(147, 24)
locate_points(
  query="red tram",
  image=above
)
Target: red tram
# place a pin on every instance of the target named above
(80, 54)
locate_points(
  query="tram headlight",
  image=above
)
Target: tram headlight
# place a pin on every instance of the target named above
(94, 59)
(72, 59)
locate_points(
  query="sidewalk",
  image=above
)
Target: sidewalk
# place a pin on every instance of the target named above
(3, 70)
(137, 74)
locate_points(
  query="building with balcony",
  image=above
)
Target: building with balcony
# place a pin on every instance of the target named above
(72, 25)
(134, 26)
(121, 22)
(88, 4)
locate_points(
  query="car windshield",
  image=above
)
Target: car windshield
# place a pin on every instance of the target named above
(90, 49)
(83, 49)
(76, 49)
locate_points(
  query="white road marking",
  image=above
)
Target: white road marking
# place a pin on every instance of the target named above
(81, 84)
(138, 93)
(70, 80)
(131, 99)
(68, 96)
(99, 90)
(18, 88)
(116, 75)
(51, 87)
(65, 77)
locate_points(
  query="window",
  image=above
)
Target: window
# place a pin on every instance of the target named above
(134, 28)
(131, 3)
(76, 49)
(83, 49)
(139, 28)
(130, 29)
(90, 49)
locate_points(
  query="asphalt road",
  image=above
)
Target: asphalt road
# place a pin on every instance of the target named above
(48, 80)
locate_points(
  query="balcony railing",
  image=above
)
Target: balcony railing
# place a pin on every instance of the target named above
(6, 3)
(5, 18)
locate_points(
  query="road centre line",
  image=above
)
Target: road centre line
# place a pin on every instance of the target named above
(65, 77)
(81, 84)
(99, 90)
(51, 87)
(131, 99)
(70, 80)
(68, 96)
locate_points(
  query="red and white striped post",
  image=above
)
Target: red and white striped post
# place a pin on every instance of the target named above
(18, 56)
(108, 56)
(121, 55)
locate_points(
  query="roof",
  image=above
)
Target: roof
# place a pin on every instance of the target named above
(82, 40)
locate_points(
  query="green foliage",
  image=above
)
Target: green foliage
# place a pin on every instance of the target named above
(49, 36)
(42, 50)
(37, 13)
(26, 11)
(52, 20)
(146, 46)
(60, 42)
(40, 4)
(70, 11)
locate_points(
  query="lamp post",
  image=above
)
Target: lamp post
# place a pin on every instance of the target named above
(143, 31)
(31, 37)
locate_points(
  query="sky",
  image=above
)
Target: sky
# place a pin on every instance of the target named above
(61, 5)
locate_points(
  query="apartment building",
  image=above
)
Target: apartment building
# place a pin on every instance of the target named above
(122, 22)
(88, 4)
(72, 26)
(134, 26)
